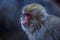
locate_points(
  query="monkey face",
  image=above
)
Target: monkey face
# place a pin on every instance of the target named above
(32, 16)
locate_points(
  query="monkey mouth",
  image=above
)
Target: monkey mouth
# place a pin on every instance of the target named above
(26, 20)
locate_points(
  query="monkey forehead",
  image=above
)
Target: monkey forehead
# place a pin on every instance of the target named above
(33, 6)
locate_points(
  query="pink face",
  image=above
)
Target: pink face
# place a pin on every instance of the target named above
(27, 17)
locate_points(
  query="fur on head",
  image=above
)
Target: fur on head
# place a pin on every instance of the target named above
(38, 14)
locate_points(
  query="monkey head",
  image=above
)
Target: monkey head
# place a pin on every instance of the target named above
(32, 17)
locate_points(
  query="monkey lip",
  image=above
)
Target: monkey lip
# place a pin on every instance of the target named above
(26, 20)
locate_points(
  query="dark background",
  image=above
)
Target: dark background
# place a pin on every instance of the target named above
(10, 13)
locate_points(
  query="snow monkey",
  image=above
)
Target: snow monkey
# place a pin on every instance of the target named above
(38, 24)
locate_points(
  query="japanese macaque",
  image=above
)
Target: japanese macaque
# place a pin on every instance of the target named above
(38, 24)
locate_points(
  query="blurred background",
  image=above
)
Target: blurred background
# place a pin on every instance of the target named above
(10, 13)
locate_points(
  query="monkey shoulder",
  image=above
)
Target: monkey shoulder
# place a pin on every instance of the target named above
(53, 27)
(53, 19)
(51, 30)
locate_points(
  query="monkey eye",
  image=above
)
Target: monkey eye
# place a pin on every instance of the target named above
(27, 14)
(30, 10)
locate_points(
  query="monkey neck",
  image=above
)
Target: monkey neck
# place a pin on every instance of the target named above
(37, 28)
